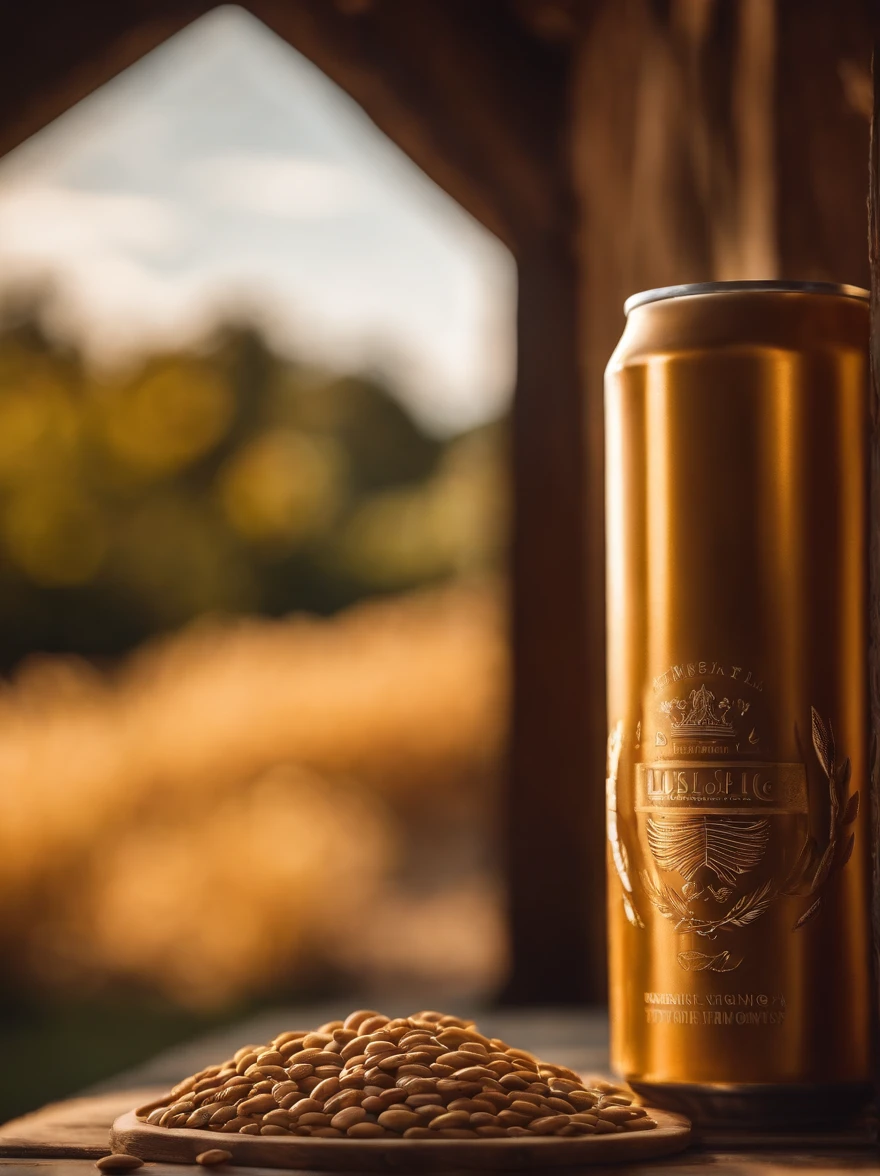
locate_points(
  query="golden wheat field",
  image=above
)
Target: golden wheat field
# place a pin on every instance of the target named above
(247, 804)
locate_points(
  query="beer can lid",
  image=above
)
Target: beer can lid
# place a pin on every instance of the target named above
(771, 286)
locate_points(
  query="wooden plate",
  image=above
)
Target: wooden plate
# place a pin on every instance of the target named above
(181, 1146)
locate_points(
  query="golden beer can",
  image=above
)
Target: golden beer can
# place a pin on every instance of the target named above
(738, 855)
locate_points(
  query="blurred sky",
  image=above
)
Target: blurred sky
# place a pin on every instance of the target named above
(225, 170)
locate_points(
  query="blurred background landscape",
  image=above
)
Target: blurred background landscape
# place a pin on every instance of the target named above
(254, 371)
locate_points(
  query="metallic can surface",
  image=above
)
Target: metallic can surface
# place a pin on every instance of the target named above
(737, 682)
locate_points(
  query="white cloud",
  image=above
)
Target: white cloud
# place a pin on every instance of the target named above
(276, 185)
(41, 221)
(90, 247)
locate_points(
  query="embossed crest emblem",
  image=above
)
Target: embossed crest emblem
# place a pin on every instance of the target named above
(721, 836)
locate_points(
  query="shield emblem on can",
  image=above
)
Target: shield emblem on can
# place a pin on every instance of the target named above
(723, 833)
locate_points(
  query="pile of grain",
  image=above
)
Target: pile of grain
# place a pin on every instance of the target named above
(428, 1076)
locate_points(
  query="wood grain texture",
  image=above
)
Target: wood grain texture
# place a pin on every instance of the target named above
(799, 1161)
(398, 1155)
(822, 114)
(740, 1157)
(76, 1127)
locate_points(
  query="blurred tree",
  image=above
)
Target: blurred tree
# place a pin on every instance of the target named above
(453, 522)
(225, 478)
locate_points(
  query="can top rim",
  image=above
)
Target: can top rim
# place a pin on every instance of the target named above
(770, 286)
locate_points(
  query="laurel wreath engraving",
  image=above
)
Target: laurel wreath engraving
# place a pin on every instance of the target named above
(673, 905)
(698, 961)
(812, 873)
(618, 850)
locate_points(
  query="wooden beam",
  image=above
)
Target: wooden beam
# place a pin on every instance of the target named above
(464, 89)
(53, 54)
(461, 87)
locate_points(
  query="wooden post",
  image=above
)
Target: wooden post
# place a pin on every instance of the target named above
(874, 517)
(555, 802)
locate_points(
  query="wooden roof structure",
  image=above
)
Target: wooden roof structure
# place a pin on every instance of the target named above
(613, 145)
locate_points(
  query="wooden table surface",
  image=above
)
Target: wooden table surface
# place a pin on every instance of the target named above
(65, 1138)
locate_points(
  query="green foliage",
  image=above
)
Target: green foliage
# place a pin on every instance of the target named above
(224, 479)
